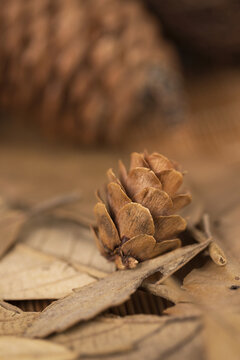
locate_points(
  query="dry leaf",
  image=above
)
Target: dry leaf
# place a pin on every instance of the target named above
(215, 251)
(10, 224)
(228, 229)
(113, 290)
(61, 202)
(108, 335)
(15, 348)
(170, 290)
(222, 338)
(130, 337)
(215, 293)
(14, 321)
(217, 254)
(184, 309)
(67, 240)
(11, 221)
(26, 273)
(215, 287)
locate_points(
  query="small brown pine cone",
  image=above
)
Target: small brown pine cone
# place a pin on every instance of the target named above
(85, 70)
(138, 221)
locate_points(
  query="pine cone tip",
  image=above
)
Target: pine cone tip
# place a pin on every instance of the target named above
(138, 221)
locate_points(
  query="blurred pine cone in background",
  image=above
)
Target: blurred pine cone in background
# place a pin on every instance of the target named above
(207, 27)
(86, 69)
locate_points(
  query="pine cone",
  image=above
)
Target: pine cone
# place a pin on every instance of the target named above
(85, 69)
(138, 222)
(210, 28)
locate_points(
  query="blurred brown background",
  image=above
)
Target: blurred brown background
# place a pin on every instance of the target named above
(85, 83)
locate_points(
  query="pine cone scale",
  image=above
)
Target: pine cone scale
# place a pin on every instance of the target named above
(142, 224)
(167, 227)
(171, 181)
(107, 229)
(157, 201)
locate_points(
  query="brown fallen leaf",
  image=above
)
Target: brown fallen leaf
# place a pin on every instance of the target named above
(67, 240)
(170, 290)
(26, 274)
(184, 309)
(215, 287)
(11, 221)
(129, 337)
(10, 224)
(216, 292)
(110, 291)
(222, 338)
(108, 335)
(14, 321)
(57, 203)
(215, 251)
(228, 229)
(15, 348)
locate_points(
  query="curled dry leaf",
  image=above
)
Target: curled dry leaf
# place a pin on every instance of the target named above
(215, 251)
(110, 291)
(15, 348)
(26, 273)
(140, 207)
(217, 254)
(227, 228)
(131, 337)
(14, 321)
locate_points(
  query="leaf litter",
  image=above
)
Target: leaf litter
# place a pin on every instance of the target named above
(112, 290)
(209, 300)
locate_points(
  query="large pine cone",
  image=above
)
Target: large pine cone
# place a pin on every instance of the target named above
(210, 28)
(138, 222)
(85, 69)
